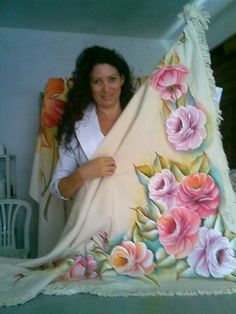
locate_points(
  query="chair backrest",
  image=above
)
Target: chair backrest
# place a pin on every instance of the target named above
(15, 218)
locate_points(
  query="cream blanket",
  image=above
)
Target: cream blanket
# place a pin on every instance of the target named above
(165, 223)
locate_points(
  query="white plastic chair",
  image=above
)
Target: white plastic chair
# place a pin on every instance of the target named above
(15, 218)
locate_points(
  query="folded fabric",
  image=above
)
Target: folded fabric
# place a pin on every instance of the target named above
(165, 223)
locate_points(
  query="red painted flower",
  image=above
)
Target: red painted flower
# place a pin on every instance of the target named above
(52, 112)
(178, 231)
(199, 193)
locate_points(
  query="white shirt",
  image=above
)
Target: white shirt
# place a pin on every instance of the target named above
(83, 144)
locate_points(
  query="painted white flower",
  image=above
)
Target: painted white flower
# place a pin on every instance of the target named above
(212, 255)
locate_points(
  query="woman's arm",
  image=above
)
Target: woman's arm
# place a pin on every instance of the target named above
(99, 167)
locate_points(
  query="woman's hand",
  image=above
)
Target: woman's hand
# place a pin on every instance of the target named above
(99, 167)
(96, 168)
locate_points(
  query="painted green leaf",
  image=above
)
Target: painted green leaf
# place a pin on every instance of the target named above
(209, 222)
(189, 273)
(149, 226)
(153, 211)
(105, 266)
(200, 164)
(157, 165)
(160, 163)
(181, 266)
(168, 261)
(233, 244)
(150, 279)
(164, 162)
(230, 235)
(141, 215)
(219, 225)
(179, 176)
(146, 170)
(109, 273)
(160, 209)
(99, 254)
(160, 254)
(137, 237)
(168, 59)
(143, 179)
(204, 165)
(150, 235)
(230, 278)
(181, 101)
(182, 167)
(166, 109)
(175, 58)
(162, 64)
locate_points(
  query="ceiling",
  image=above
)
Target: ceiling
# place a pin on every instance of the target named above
(135, 18)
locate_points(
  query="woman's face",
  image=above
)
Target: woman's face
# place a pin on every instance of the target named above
(106, 84)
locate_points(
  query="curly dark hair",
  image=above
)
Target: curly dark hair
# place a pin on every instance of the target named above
(79, 96)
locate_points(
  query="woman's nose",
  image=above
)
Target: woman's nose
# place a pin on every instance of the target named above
(105, 86)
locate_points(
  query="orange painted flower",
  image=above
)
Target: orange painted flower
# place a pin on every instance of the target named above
(178, 231)
(133, 259)
(55, 86)
(199, 193)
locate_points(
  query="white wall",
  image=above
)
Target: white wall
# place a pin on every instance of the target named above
(222, 27)
(27, 59)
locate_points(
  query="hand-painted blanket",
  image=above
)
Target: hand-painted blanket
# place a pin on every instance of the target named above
(165, 223)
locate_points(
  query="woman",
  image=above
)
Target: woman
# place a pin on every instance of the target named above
(101, 90)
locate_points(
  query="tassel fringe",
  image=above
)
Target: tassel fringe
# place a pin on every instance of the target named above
(107, 291)
(200, 20)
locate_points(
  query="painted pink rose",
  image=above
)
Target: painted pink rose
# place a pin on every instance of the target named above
(212, 255)
(83, 268)
(169, 80)
(133, 259)
(163, 187)
(185, 128)
(199, 193)
(178, 231)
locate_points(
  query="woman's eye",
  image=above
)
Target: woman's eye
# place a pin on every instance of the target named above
(113, 79)
(95, 82)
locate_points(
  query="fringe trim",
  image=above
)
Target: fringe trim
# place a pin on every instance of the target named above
(105, 290)
(140, 292)
(200, 20)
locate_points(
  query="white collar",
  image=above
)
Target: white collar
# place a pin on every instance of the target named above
(88, 131)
